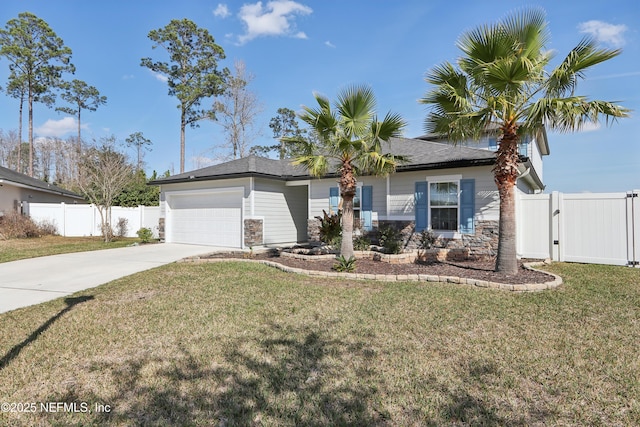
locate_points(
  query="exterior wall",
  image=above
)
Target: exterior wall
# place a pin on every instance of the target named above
(283, 210)
(319, 195)
(253, 232)
(536, 158)
(402, 192)
(400, 207)
(9, 194)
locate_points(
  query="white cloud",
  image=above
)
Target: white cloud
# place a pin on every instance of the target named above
(222, 11)
(274, 19)
(604, 32)
(589, 127)
(128, 77)
(160, 77)
(329, 44)
(57, 128)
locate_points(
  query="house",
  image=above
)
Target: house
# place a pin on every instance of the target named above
(257, 201)
(17, 190)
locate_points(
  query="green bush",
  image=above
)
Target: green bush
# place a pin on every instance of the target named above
(427, 239)
(361, 243)
(390, 239)
(345, 265)
(145, 234)
(330, 228)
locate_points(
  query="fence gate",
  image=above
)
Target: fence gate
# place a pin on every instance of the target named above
(593, 228)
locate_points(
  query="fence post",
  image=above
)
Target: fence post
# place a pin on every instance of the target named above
(63, 207)
(635, 228)
(555, 220)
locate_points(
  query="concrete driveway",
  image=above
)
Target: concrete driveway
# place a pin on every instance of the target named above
(32, 281)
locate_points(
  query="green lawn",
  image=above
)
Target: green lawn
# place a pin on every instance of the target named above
(15, 249)
(244, 344)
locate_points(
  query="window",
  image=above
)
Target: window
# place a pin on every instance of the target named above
(447, 204)
(362, 204)
(443, 205)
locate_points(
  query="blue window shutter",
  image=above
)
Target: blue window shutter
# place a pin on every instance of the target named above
(421, 206)
(467, 205)
(366, 206)
(334, 199)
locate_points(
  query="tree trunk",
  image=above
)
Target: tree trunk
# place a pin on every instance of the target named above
(183, 124)
(346, 246)
(19, 165)
(506, 174)
(30, 133)
(348, 186)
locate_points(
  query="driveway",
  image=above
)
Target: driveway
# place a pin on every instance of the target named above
(32, 281)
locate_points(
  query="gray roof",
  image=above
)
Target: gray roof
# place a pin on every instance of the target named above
(20, 179)
(423, 155)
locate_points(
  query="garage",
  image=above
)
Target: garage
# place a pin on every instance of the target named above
(211, 217)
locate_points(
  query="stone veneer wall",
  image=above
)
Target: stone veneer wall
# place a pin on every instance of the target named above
(313, 231)
(253, 232)
(161, 228)
(484, 243)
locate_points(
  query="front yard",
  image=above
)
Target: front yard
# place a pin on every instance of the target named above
(244, 344)
(16, 249)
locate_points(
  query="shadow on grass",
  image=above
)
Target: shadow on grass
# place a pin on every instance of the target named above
(469, 405)
(277, 375)
(15, 351)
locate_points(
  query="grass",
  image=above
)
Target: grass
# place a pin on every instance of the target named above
(242, 344)
(16, 249)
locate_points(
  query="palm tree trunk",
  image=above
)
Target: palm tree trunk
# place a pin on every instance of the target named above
(506, 174)
(348, 186)
(346, 246)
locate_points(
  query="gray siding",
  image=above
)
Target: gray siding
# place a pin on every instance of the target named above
(283, 209)
(402, 189)
(319, 191)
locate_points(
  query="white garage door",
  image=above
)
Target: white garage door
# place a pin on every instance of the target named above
(205, 219)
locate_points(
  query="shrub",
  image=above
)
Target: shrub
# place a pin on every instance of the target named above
(361, 243)
(345, 265)
(14, 225)
(390, 239)
(122, 228)
(47, 228)
(145, 234)
(330, 228)
(427, 239)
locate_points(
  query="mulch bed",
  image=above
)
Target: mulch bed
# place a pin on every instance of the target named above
(472, 269)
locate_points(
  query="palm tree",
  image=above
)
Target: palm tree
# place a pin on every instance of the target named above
(348, 140)
(500, 80)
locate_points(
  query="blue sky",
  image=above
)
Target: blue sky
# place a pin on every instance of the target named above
(296, 48)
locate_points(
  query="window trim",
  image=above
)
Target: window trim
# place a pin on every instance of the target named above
(439, 179)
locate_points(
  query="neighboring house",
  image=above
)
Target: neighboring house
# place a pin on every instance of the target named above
(17, 190)
(257, 201)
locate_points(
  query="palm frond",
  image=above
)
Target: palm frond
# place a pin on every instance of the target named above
(317, 165)
(572, 113)
(355, 106)
(563, 79)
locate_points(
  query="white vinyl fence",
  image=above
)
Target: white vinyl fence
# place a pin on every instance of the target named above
(591, 228)
(84, 220)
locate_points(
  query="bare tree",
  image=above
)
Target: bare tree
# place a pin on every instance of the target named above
(45, 149)
(8, 146)
(104, 173)
(141, 143)
(236, 111)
